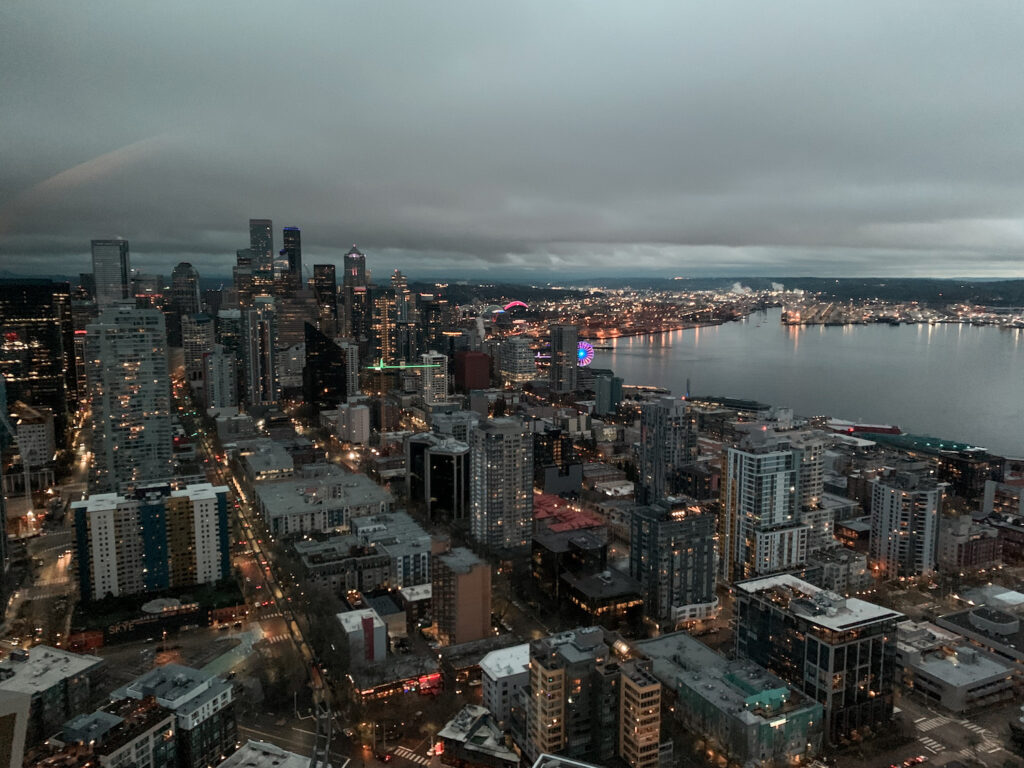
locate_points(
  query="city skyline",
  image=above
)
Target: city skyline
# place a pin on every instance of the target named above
(647, 140)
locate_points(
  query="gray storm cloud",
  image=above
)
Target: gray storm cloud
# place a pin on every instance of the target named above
(465, 137)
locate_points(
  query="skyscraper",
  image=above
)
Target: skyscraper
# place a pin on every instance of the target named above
(185, 289)
(220, 378)
(501, 489)
(292, 254)
(324, 376)
(261, 243)
(242, 274)
(260, 358)
(197, 340)
(461, 597)
(564, 344)
(586, 703)
(607, 394)
(905, 512)
(130, 391)
(151, 540)
(354, 292)
(518, 364)
(37, 345)
(668, 440)
(325, 290)
(759, 529)
(672, 555)
(403, 299)
(839, 651)
(385, 325)
(111, 271)
(434, 380)
(437, 475)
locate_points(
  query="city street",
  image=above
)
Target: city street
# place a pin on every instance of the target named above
(943, 737)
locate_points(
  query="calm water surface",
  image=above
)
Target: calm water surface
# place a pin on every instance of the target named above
(958, 382)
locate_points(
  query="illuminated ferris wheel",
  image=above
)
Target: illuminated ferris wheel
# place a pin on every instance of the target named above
(584, 353)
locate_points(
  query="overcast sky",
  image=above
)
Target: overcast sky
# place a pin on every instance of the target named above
(538, 139)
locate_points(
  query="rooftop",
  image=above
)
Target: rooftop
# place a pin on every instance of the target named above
(506, 662)
(604, 585)
(418, 592)
(177, 687)
(460, 560)
(557, 761)
(334, 489)
(997, 629)
(260, 754)
(821, 607)
(739, 688)
(44, 668)
(560, 515)
(200, 491)
(352, 621)
(474, 727)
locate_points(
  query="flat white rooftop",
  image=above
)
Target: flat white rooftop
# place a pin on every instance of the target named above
(506, 662)
(824, 608)
(45, 668)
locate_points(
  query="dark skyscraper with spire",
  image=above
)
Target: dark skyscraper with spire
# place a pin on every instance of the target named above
(357, 303)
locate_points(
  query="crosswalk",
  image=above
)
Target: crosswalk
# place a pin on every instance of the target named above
(932, 724)
(408, 754)
(276, 638)
(932, 745)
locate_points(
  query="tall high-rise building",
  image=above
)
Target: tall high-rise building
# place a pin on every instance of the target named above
(585, 703)
(260, 357)
(639, 715)
(291, 254)
(460, 597)
(435, 316)
(905, 512)
(385, 325)
(261, 243)
(668, 440)
(112, 274)
(220, 378)
(197, 339)
(607, 394)
(437, 475)
(325, 290)
(229, 330)
(672, 555)
(353, 281)
(434, 380)
(130, 392)
(403, 298)
(759, 529)
(839, 651)
(351, 351)
(185, 289)
(501, 486)
(324, 376)
(809, 449)
(243, 274)
(564, 364)
(37, 345)
(154, 539)
(518, 362)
